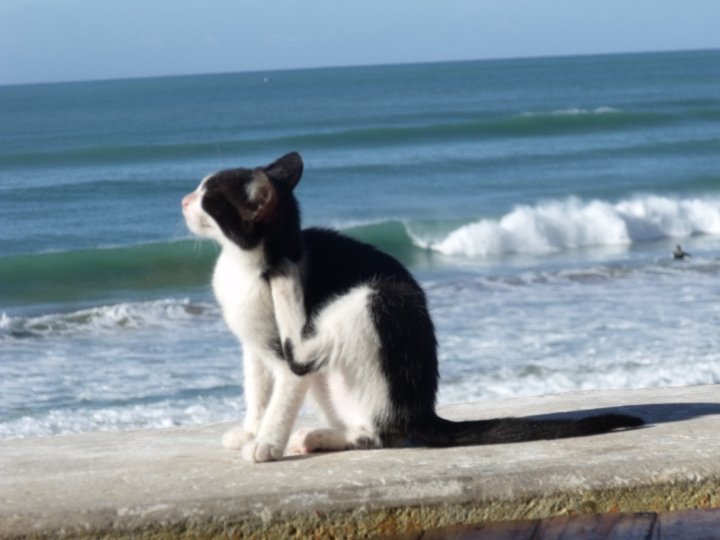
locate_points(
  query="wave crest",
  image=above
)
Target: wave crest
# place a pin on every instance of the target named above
(572, 224)
(98, 320)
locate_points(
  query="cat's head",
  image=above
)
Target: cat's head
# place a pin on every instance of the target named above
(249, 207)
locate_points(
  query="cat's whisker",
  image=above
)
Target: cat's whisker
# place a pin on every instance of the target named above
(181, 230)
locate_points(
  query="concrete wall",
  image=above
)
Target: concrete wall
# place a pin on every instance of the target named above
(181, 482)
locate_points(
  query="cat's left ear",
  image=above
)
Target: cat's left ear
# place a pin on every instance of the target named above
(286, 170)
(263, 195)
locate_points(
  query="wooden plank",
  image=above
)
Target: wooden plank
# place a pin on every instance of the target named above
(500, 530)
(690, 524)
(597, 527)
(681, 525)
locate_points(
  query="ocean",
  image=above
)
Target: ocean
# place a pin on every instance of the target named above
(537, 201)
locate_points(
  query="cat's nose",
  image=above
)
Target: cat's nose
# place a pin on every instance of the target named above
(187, 200)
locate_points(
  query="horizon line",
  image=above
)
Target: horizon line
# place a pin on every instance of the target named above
(320, 67)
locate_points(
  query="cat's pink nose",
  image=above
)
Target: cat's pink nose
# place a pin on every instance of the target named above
(187, 200)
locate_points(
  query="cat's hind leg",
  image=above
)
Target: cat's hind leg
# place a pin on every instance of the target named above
(307, 441)
(321, 397)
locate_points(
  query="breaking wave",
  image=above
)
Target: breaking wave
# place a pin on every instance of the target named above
(109, 319)
(575, 224)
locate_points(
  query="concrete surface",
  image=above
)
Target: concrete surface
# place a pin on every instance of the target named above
(181, 482)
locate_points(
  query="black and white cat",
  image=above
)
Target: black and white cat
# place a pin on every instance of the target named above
(323, 314)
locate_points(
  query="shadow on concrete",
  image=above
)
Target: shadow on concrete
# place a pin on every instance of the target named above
(652, 413)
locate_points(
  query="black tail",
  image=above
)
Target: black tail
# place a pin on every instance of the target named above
(444, 433)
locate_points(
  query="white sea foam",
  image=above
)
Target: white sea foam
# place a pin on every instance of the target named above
(572, 223)
(104, 319)
(647, 375)
(125, 366)
(119, 418)
(651, 326)
(576, 111)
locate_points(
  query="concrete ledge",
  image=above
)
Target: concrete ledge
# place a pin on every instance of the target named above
(181, 482)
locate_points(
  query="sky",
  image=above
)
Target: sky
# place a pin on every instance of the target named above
(66, 40)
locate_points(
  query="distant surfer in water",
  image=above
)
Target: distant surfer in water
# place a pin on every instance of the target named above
(679, 254)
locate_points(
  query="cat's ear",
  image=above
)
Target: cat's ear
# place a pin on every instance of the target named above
(286, 170)
(264, 198)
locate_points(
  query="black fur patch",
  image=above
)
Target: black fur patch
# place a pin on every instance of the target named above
(408, 353)
(275, 345)
(297, 369)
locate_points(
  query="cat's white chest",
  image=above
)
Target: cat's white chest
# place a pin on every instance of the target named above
(244, 297)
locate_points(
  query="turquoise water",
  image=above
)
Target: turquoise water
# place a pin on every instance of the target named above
(538, 202)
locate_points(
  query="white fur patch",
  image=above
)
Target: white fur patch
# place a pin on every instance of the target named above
(244, 296)
(346, 333)
(197, 220)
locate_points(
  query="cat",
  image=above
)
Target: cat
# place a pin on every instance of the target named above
(320, 313)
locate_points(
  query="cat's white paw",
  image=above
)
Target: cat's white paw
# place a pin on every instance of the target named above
(307, 441)
(236, 438)
(259, 451)
(298, 442)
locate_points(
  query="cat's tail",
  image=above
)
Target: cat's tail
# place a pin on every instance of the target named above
(444, 433)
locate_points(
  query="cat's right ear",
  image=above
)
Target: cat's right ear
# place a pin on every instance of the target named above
(286, 170)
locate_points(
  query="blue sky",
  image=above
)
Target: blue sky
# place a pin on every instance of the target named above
(60, 40)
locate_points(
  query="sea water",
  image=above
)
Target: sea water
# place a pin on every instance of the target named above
(537, 201)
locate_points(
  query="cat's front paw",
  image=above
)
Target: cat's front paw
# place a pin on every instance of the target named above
(260, 451)
(236, 438)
